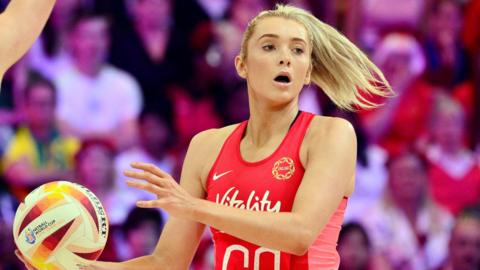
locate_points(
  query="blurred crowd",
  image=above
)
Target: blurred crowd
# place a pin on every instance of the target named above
(110, 82)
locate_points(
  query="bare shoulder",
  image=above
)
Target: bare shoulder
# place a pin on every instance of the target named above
(330, 145)
(330, 133)
(212, 138)
(205, 147)
(331, 128)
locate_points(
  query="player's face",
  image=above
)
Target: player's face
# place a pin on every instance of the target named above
(407, 179)
(40, 106)
(95, 168)
(278, 61)
(354, 251)
(143, 239)
(152, 13)
(154, 132)
(90, 40)
(448, 128)
(465, 244)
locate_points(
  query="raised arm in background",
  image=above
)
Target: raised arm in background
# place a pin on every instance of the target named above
(20, 25)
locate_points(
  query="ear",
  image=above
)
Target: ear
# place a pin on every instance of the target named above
(240, 67)
(309, 75)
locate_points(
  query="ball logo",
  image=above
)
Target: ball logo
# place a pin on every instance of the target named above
(30, 236)
(283, 169)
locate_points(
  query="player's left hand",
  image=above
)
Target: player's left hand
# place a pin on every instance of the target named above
(171, 197)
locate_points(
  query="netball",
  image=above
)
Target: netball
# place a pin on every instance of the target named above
(60, 225)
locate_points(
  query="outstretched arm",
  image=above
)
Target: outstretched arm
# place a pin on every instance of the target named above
(329, 173)
(20, 24)
(179, 239)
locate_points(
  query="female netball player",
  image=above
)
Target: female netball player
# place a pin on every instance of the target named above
(20, 25)
(274, 188)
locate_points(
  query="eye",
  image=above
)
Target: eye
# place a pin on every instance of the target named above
(298, 50)
(268, 47)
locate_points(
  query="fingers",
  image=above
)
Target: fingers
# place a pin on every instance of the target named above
(150, 168)
(150, 204)
(147, 176)
(147, 187)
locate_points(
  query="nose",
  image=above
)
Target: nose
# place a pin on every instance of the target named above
(285, 58)
(285, 62)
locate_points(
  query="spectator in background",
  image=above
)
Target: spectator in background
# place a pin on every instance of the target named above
(224, 46)
(471, 37)
(7, 211)
(7, 257)
(49, 54)
(471, 26)
(227, 37)
(152, 50)
(236, 105)
(155, 146)
(370, 173)
(141, 230)
(37, 153)
(210, 10)
(191, 13)
(94, 170)
(377, 17)
(11, 101)
(454, 170)
(242, 11)
(401, 119)
(408, 228)
(204, 258)
(464, 246)
(96, 99)
(215, 43)
(355, 250)
(447, 60)
(200, 96)
(476, 109)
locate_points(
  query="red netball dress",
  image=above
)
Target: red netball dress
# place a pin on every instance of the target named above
(267, 185)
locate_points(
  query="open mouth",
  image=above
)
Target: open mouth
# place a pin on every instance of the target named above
(282, 79)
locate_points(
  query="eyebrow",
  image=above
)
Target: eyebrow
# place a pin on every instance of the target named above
(277, 36)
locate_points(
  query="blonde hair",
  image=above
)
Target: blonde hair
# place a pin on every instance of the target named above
(339, 68)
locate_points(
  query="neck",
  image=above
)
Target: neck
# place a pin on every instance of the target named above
(411, 209)
(40, 132)
(148, 29)
(452, 150)
(89, 69)
(266, 122)
(155, 152)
